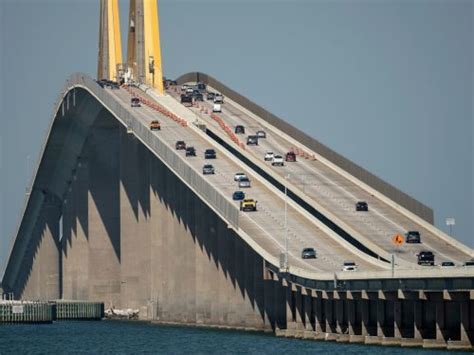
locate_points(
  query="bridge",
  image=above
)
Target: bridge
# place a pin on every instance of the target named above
(115, 213)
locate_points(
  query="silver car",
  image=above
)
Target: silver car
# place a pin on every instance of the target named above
(244, 182)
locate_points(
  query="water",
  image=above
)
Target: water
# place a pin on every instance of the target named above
(138, 337)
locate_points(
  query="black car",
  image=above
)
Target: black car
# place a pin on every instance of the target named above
(198, 97)
(447, 264)
(180, 145)
(211, 96)
(210, 154)
(238, 195)
(308, 253)
(201, 86)
(239, 129)
(426, 258)
(469, 263)
(190, 152)
(208, 169)
(186, 100)
(362, 206)
(252, 140)
(413, 237)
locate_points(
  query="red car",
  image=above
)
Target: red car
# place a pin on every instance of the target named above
(290, 156)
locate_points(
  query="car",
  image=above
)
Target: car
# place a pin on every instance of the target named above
(238, 195)
(290, 156)
(261, 134)
(426, 258)
(155, 125)
(187, 100)
(189, 90)
(201, 86)
(210, 154)
(239, 176)
(447, 264)
(469, 263)
(210, 96)
(239, 129)
(277, 160)
(349, 266)
(362, 206)
(244, 182)
(252, 140)
(217, 108)
(412, 237)
(190, 152)
(184, 87)
(197, 96)
(248, 204)
(208, 169)
(218, 99)
(308, 253)
(268, 156)
(135, 102)
(180, 145)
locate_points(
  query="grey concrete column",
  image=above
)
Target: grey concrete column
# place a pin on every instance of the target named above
(351, 308)
(104, 214)
(466, 322)
(440, 321)
(43, 281)
(418, 319)
(340, 321)
(308, 312)
(299, 312)
(365, 317)
(397, 312)
(318, 311)
(381, 318)
(290, 318)
(330, 318)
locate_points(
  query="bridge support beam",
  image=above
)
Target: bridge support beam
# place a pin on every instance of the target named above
(43, 280)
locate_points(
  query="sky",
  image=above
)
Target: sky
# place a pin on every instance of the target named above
(388, 84)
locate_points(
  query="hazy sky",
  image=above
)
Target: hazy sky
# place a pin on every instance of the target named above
(389, 84)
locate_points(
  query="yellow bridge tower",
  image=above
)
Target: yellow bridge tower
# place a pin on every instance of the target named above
(143, 43)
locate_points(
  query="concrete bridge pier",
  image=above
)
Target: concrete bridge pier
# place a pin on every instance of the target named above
(42, 279)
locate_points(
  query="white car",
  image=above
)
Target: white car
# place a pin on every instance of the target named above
(349, 266)
(217, 108)
(239, 176)
(277, 160)
(268, 156)
(244, 182)
(189, 90)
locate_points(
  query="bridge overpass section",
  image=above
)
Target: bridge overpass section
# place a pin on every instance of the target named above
(331, 190)
(141, 228)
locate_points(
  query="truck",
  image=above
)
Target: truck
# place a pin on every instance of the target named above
(426, 258)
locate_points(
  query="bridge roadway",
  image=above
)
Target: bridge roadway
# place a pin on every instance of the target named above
(266, 226)
(337, 194)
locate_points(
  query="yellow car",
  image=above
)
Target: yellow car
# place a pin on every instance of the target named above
(248, 204)
(155, 125)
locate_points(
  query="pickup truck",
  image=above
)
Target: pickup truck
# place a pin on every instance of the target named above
(248, 204)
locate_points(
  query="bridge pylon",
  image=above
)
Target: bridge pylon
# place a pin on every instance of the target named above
(110, 42)
(144, 52)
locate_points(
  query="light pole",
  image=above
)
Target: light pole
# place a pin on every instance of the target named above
(450, 222)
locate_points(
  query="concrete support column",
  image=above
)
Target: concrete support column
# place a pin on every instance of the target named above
(365, 317)
(351, 308)
(43, 280)
(467, 314)
(381, 318)
(397, 324)
(308, 312)
(440, 321)
(318, 312)
(418, 319)
(104, 213)
(299, 313)
(330, 318)
(341, 326)
(290, 318)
